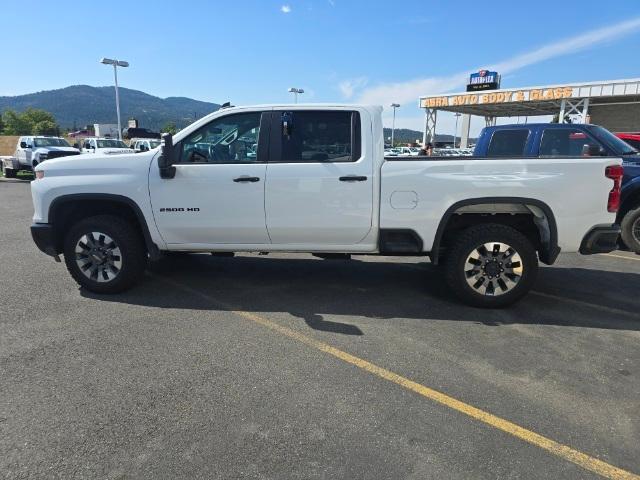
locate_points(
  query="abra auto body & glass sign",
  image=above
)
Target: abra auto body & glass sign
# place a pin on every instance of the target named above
(510, 96)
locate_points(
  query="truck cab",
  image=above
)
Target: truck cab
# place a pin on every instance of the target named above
(550, 140)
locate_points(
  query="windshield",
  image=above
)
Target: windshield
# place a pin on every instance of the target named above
(154, 143)
(50, 142)
(620, 147)
(111, 144)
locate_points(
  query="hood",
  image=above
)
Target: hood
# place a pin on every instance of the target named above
(55, 149)
(114, 151)
(93, 164)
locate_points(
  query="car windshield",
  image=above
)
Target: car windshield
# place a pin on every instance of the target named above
(154, 143)
(50, 142)
(111, 143)
(620, 147)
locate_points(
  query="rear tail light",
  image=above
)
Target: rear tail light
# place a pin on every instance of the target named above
(615, 173)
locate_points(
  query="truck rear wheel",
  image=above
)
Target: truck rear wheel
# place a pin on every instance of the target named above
(491, 266)
(104, 254)
(631, 230)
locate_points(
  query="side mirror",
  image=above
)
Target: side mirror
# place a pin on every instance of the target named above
(167, 157)
(23, 145)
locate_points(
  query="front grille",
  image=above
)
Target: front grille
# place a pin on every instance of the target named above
(56, 154)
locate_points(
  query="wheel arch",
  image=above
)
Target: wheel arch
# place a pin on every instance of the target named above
(630, 198)
(546, 226)
(67, 208)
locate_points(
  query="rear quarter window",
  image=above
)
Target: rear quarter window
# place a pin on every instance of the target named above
(508, 143)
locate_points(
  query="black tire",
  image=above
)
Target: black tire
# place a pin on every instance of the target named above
(10, 173)
(512, 280)
(631, 230)
(130, 247)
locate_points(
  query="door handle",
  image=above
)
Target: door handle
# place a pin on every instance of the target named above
(246, 178)
(353, 178)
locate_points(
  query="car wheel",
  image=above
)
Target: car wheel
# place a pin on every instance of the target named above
(491, 266)
(631, 230)
(9, 173)
(105, 254)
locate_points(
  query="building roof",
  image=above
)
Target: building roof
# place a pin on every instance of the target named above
(530, 101)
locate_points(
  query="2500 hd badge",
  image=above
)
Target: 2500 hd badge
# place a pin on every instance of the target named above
(180, 209)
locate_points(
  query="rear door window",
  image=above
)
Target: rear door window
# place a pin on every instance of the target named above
(508, 143)
(568, 142)
(317, 136)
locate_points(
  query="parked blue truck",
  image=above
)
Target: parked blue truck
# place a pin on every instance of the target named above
(562, 139)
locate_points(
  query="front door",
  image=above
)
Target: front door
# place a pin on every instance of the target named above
(319, 179)
(217, 194)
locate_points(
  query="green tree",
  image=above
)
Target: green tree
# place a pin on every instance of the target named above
(1, 125)
(169, 127)
(30, 122)
(45, 127)
(15, 124)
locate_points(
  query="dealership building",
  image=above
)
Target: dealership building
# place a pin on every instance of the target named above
(614, 104)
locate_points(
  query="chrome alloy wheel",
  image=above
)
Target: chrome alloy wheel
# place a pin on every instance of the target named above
(98, 257)
(493, 269)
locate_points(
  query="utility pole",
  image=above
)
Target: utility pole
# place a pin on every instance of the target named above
(393, 125)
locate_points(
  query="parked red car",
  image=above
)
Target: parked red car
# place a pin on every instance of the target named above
(632, 138)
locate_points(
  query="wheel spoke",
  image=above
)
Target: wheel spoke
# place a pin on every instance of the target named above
(493, 268)
(98, 256)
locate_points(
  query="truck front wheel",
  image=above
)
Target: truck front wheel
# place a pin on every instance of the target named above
(491, 266)
(104, 254)
(631, 230)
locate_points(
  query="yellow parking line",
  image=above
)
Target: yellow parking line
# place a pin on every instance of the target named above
(563, 451)
(637, 258)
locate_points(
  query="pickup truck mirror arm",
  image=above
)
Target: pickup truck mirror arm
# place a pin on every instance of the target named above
(167, 157)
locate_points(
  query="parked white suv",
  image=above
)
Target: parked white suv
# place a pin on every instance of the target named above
(33, 150)
(307, 178)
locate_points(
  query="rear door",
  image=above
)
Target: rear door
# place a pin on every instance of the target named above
(319, 183)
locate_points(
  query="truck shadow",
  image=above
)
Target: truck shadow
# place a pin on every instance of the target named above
(311, 289)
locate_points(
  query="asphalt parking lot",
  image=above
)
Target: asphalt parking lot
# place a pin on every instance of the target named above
(288, 366)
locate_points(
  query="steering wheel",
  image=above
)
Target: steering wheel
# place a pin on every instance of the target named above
(215, 155)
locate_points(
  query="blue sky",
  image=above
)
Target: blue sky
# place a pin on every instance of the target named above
(337, 50)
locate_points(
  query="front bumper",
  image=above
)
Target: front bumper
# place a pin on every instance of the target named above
(42, 234)
(600, 239)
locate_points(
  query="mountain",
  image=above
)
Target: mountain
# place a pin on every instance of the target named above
(82, 104)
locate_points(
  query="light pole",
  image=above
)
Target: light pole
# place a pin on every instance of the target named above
(116, 64)
(296, 91)
(455, 133)
(393, 125)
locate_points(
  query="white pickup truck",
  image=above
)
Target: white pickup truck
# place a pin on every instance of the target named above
(310, 178)
(106, 146)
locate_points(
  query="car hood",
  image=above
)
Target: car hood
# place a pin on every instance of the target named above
(114, 151)
(55, 149)
(93, 164)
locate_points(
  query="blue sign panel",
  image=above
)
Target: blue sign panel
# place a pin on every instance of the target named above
(483, 80)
